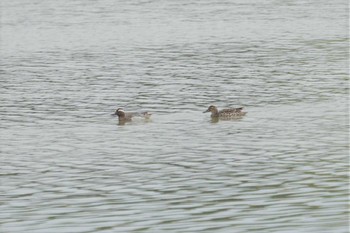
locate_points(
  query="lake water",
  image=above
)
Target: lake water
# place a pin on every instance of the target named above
(68, 166)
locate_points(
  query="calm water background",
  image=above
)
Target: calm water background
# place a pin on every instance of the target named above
(67, 166)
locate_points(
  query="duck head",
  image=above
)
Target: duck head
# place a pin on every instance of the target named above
(212, 109)
(120, 112)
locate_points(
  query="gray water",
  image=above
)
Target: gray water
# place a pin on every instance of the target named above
(68, 166)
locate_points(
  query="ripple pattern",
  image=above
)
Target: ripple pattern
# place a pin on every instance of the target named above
(68, 166)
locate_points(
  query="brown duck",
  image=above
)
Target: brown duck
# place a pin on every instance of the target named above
(225, 113)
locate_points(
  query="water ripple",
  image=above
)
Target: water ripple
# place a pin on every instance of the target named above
(68, 166)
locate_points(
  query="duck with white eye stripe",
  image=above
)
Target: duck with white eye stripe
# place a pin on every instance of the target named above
(127, 116)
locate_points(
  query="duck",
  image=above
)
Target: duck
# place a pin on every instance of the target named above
(127, 116)
(225, 113)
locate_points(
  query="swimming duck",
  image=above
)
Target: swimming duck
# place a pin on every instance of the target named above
(127, 116)
(225, 113)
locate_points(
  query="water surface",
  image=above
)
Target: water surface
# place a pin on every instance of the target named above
(68, 166)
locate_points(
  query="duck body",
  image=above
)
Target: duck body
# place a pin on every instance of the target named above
(127, 116)
(225, 113)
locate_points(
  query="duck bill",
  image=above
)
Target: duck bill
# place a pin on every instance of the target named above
(206, 111)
